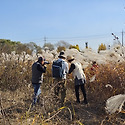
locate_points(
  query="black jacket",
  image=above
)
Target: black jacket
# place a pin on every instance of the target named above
(37, 72)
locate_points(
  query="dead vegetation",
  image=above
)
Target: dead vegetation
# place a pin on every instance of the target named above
(16, 96)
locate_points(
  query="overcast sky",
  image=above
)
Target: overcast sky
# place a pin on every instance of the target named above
(74, 21)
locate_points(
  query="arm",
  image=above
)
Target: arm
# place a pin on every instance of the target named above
(66, 67)
(41, 68)
(72, 67)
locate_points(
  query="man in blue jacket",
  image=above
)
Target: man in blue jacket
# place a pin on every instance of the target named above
(61, 81)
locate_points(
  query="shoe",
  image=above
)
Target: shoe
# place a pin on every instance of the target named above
(77, 101)
(62, 104)
(32, 106)
(38, 99)
(85, 102)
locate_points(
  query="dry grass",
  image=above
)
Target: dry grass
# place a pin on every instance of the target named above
(16, 97)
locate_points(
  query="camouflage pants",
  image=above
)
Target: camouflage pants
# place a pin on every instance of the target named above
(60, 88)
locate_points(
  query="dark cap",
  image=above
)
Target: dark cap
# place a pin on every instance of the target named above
(62, 55)
(40, 59)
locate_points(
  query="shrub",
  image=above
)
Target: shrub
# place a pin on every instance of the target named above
(14, 75)
(106, 76)
(75, 47)
(61, 48)
(101, 47)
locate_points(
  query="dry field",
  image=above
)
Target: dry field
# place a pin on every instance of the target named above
(16, 96)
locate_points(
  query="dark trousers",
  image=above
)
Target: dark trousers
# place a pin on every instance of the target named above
(77, 92)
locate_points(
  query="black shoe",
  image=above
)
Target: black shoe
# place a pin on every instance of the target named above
(38, 99)
(85, 102)
(77, 101)
(62, 104)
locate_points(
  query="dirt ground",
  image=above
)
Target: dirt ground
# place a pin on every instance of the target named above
(15, 110)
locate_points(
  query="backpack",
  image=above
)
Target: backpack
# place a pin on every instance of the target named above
(57, 70)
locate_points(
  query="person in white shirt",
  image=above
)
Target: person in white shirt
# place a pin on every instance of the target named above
(79, 77)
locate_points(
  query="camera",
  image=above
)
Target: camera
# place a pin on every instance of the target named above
(46, 62)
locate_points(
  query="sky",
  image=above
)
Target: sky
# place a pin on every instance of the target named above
(72, 21)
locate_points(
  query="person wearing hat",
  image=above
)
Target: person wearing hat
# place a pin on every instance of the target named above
(60, 82)
(38, 68)
(79, 78)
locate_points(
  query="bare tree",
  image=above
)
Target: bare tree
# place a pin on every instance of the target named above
(63, 43)
(49, 46)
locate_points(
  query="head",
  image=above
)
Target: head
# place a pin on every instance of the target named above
(62, 55)
(93, 62)
(41, 60)
(70, 58)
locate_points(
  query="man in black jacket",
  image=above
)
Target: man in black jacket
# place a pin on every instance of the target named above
(38, 68)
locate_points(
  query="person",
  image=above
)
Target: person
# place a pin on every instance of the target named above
(61, 82)
(38, 68)
(79, 78)
(93, 71)
(94, 66)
